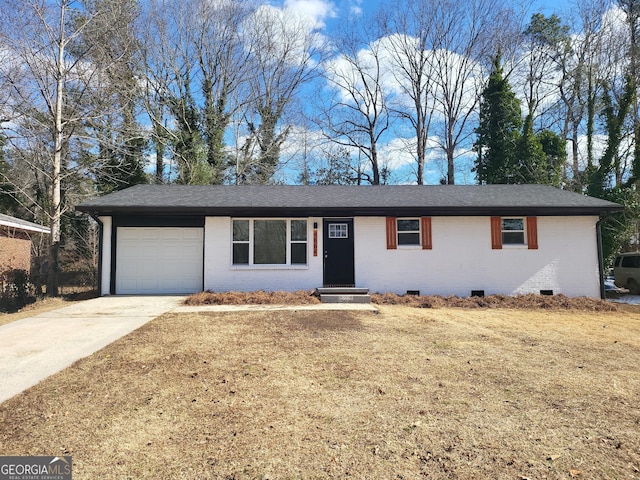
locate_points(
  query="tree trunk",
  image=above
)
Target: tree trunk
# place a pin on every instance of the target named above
(56, 211)
(450, 169)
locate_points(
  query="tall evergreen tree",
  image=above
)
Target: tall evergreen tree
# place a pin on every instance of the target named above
(529, 156)
(555, 151)
(497, 132)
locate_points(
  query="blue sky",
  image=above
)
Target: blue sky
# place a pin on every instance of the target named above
(330, 11)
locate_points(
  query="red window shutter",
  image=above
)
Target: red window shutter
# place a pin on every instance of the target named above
(392, 237)
(532, 233)
(496, 233)
(426, 233)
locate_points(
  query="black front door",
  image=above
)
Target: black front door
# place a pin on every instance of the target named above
(338, 253)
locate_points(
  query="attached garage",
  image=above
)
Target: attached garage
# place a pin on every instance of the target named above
(159, 260)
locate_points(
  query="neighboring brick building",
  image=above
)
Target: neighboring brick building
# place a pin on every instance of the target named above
(15, 243)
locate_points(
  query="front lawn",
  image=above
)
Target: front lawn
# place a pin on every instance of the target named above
(404, 393)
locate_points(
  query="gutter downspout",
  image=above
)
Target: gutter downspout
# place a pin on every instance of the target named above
(99, 272)
(600, 256)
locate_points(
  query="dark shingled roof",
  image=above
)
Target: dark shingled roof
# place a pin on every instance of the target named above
(337, 200)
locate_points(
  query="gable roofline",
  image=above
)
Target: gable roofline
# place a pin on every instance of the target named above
(343, 201)
(13, 222)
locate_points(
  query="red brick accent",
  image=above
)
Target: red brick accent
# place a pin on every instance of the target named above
(15, 250)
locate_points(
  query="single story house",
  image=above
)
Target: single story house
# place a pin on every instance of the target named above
(439, 239)
(15, 243)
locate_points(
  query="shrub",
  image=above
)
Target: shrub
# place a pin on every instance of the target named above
(17, 291)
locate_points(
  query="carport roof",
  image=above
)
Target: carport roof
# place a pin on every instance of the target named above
(13, 222)
(341, 200)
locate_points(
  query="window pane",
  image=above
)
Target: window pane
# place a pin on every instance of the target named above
(298, 253)
(240, 253)
(298, 230)
(338, 230)
(269, 242)
(408, 225)
(631, 261)
(408, 239)
(241, 230)
(512, 224)
(511, 238)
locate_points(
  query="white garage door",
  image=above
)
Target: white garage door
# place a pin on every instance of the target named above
(159, 260)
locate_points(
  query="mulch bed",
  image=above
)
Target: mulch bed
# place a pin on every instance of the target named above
(530, 301)
(303, 297)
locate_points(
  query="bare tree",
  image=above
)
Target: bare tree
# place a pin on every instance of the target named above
(409, 26)
(50, 99)
(545, 42)
(357, 114)
(196, 63)
(284, 53)
(465, 37)
(438, 50)
(579, 87)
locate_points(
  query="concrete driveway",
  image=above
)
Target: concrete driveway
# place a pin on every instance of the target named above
(34, 348)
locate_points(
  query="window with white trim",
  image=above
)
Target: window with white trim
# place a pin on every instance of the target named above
(513, 232)
(269, 242)
(408, 231)
(338, 230)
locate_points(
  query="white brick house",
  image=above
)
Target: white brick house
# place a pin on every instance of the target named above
(506, 239)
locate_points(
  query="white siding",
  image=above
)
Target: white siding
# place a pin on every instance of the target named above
(462, 259)
(221, 275)
(105, 274)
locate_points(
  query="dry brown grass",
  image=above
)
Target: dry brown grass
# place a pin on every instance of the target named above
(406, 393)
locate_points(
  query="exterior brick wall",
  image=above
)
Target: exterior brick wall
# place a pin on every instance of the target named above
(15, 250)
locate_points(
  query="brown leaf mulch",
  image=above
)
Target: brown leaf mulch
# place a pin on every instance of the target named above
(525, 302)
(303, 297)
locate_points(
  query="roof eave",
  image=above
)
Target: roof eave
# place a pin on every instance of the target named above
(434, 211)
(28, 228)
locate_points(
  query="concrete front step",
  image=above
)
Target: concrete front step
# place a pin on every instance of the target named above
(341, 290)
(343, 295)
(328, 298)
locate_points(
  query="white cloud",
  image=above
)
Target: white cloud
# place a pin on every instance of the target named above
(398, 153)
(599, 146)
(301, 141)
(282, 35)
(313, 11)
(355, 8)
